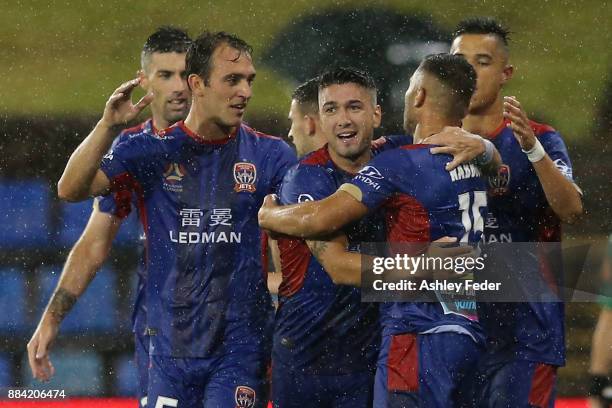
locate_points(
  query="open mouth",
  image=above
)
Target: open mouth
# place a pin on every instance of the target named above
(239, 106)
(347, 136)
(178, 103)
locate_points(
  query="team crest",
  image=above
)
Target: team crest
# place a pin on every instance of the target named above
(499, 183)
(245, 175)
(173, 177)
(245, 397)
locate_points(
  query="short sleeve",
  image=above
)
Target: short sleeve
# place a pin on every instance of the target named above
(306, 183)
(375, 181)
(281, 162)
(555, 148)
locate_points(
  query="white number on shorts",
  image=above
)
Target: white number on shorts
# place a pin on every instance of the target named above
(166, 402)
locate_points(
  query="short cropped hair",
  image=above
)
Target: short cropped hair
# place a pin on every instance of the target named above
(164, 40)
(483, 25)
(458, 77)
(199, 55)
(307, 96)
(348, 75)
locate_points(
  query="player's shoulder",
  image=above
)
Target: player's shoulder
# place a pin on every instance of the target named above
(268, 144)
(313, 164)
(254, 134)
(388, 142)
(319, 157)
(540, 129)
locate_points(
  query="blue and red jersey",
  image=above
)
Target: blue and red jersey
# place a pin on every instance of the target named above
(519, 212)
(423, 202)
(322, 327)
(198, 201)
(120, 204)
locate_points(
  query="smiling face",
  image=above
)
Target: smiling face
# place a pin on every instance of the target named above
(226, 93)
(164, 75)
(488, 56)
(348, 116)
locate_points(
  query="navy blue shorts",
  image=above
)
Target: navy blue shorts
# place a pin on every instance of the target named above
(426, 370)
(233, 380)
(515, 384)
(292, 387)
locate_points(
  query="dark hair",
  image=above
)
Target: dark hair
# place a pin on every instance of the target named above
(307, 95)
(457, 75)
(199, 55)
(165, 39)
(482, 25)
(348, 75)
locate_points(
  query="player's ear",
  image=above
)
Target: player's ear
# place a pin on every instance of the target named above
(310, 126)
(419, 99)
(507, 73)
(144, 81)
(196, 84)
(377, 116)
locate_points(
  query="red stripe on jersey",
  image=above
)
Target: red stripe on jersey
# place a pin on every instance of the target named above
(294, 257)
(407, 221)
(540, 128)
(499, 129)
(199, 138)
(260, 134)
(403, 363)
(136, 129)
(542, 384)
(319, 157)
(415, 146)
(125, 184)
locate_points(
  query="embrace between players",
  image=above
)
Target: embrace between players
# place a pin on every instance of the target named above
(204, 324)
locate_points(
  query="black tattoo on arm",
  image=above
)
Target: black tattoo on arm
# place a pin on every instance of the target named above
(318, 248)
(61, 303)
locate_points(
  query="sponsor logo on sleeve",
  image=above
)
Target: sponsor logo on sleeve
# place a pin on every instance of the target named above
(302, 198)
(371, 172)
(245, 397)
(245, 176)
(563, 168)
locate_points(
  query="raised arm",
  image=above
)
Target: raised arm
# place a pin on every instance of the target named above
(84, 260)
(313, 218)
(82, 176)
(562, 195)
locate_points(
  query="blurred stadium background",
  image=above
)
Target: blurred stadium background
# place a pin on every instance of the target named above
(61, 60)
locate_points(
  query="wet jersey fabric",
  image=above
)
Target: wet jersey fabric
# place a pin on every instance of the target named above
(120, 203)
(198, 201)
(424, 202)
(321, 327)
(519, 212)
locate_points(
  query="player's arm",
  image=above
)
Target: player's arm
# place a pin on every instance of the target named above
(342, 266)
(313, 218)
(82, 176)
(464, 147)
(84, 260)
(562, 195)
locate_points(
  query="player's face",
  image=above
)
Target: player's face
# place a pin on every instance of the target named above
(410, 114)
(348, 117)
(229, 88)
(489, 59)
(165, 76)
(297, 132)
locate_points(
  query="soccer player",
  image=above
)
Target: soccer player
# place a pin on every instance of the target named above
(200, 183)
(427, 354)
(305, 132)
(528, 198)
(325, 339)
(162, 73)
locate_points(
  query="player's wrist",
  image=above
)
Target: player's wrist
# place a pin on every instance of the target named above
(487, 156)
(108, 126)
(536, 153)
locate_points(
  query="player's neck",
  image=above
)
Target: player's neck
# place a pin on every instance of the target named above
(160, 123)
(484, 123)
(206, 128)
(428, 126)
(351, 166)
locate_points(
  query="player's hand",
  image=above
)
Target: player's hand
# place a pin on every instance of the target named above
(462, 145)
(270, 202)
(39, 347)
(119, 108)
(519, 122)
